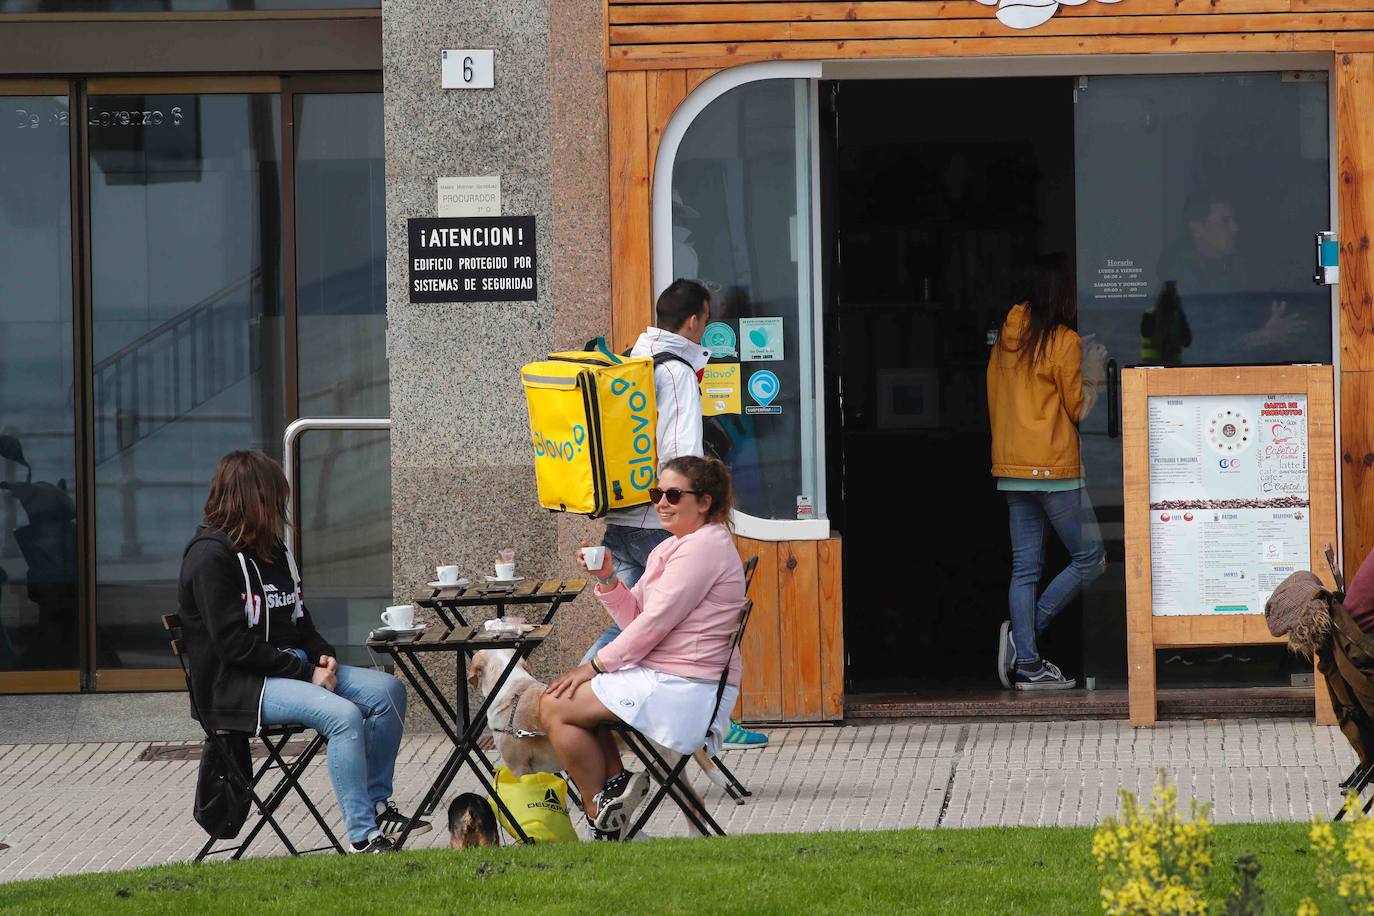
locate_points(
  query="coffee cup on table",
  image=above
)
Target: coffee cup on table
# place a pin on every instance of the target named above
(399, 616)
(505, 570)
(594, 557)
(448, 575)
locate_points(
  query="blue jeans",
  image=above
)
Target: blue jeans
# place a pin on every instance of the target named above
(363, 719)
(630, 549)
(1071, 515)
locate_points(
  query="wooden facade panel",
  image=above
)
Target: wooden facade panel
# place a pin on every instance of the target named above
(666, 90)
(983, 27)
(830, 600)
(761, 656)
(696, 77)
(711, 33)
(801, 637)
(633, 57)
(652, 11)
(793, 650)
(1354, 172)
(1357, 468)
(627, 95)
(1140, 650)
(1221, 630)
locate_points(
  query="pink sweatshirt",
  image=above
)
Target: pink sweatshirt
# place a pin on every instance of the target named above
(681, 615)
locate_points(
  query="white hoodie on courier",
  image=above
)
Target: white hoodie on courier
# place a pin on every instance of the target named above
(677, 389)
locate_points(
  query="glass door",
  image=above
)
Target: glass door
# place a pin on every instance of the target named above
(1197, 198)
(187, 332)
(40, 633)
(186, 265)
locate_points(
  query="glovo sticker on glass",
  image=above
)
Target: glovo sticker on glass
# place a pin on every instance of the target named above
(720, 389)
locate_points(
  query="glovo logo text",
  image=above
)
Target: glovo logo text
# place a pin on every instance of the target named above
(567, 450)
(642, 441)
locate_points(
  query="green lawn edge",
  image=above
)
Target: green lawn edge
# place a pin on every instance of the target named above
(949, 871)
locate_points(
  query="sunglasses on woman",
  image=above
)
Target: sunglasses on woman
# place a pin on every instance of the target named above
(673, 493)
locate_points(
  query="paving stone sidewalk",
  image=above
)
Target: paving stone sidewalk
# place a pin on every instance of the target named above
(70, 808)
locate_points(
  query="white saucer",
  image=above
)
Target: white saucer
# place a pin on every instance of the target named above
(461, 583)
(495, 581)
(419, 627)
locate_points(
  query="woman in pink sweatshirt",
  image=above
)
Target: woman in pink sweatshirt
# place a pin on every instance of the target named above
(661, 673)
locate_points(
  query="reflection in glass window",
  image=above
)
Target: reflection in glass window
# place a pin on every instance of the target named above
(741, 225)
(187, 334)
(345, 478)
(1198, 198)
(345, 528)
(341, 255)
(38, 560)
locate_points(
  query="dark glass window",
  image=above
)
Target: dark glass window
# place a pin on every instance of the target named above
(1198, 197)
(341, 255)
(741, 225)
(38, 560)
(345, 477)
(187, 334)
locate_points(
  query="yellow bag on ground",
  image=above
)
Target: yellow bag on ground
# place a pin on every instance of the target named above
(539, 802)
(593, 419)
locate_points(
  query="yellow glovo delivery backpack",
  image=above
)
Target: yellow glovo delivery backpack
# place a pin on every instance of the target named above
(593, 422)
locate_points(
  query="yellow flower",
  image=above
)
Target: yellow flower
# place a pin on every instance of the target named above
(1151, 860)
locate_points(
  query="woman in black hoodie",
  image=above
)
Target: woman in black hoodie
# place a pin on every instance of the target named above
(256, 658)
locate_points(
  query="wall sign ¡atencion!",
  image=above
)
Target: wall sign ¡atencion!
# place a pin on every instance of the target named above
(1027, 14)
(473, 259)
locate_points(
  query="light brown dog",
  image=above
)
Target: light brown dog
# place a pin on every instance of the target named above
(514, 719)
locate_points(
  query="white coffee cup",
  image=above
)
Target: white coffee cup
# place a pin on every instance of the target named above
(400, 616)
(448, 575)
(505, 570)
(594, 557)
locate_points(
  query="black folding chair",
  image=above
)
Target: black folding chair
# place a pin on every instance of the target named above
(274, 739)
(736, 789)
(669, 778)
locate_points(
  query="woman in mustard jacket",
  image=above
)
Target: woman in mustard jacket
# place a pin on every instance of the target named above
(1037, 395)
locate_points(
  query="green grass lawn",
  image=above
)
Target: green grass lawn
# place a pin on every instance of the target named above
(1013, 870)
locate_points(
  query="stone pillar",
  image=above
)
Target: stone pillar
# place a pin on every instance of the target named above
(462, 473)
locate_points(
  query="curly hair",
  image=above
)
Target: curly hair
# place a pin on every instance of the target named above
(709, 477)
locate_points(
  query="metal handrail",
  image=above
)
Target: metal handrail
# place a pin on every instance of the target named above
(294, 431)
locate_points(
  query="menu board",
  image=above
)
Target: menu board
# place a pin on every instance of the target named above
(1229, 506)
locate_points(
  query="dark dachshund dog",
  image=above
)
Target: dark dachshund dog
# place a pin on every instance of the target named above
(471, 822)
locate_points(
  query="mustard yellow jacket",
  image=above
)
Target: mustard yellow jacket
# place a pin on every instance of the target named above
(1034, 409)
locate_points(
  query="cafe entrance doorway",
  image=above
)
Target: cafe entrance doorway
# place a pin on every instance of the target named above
(945, 191)
(937, 195)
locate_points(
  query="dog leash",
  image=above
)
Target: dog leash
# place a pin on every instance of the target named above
(510, 728)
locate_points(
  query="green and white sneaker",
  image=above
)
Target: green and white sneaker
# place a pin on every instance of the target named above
(739, 738)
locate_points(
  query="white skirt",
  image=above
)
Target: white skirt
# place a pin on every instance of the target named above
(665, 708)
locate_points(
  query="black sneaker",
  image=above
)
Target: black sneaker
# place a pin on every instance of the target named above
(1006, 654)
(604, 836)
(1045, 677)
(377, 844)
(392, 823)
(616, 803)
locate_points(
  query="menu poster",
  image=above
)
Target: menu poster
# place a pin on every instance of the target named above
(1229, 506)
